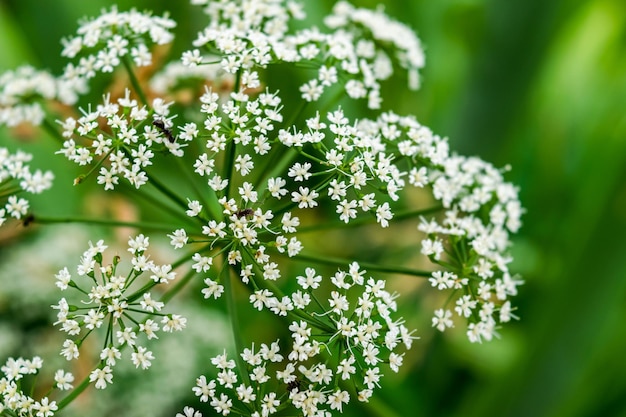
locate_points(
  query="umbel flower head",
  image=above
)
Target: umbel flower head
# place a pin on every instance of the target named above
(342, 332)
(132, 135)
(23, 91)
(15, 178)
(360, 52)
(120, 303)
(243, 169)
(103, 43)
(14, 399)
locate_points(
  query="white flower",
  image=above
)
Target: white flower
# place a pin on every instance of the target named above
(189, 412)
(442, 319)
(310, 280)
(383, 214)
(203, 389)
(45, 408)
(63, 279)
(63, 380)
(194, 208)
(191, 58)
(305, 197)
(300, 172)
(337, 399)
(142, 357)
(178, 238)
(70, 350)
(213, 289)
(101, 376)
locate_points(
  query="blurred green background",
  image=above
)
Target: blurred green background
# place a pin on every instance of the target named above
(539, 85)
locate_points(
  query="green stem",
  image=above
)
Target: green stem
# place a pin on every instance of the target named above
(158, 203)
(229, 163)
(147, 287)
(134, 81)
(97, 165)
(231, 147)
(338, 94)
(450, 297)
(295, 115)
(225, 279)
(169, 294)
(75, 393)
(192, 180)
(187, 257)
(278, 160)
(167, 192)
(5, 190)
(141, 291)
(326, 260)
(105, 222)
(52, 130)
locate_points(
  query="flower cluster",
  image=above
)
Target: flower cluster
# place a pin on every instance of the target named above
(128, 139)
(21, 93)
(481, 209)
(15, 177)
(122, 304)
(266, 170)
(360, 51)
(342, 331)
(242, 121)
(471, 242)
(176, 76)
(12, 397)
(113, 38)
(384, 31)
(246, 238)
(382, 156)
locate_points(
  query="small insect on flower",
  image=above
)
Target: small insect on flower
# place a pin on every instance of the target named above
(28, 220)
(160, 124)
(294, 385)
(244, 212)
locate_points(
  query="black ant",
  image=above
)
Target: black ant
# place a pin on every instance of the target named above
(28, 220)
(294, 385)
(244, 213)
(159, 124)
